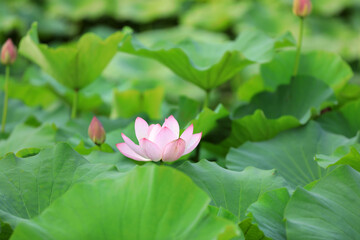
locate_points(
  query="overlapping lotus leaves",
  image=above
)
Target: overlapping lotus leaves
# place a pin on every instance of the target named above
(150, 202)
(327, 67)
(344, 155)
(291, 153)
(302, 98)
(344, 121)
(75, 65)
(234, 191)
(329, 209)
(206, 64)
(268, 213)
(29, 185)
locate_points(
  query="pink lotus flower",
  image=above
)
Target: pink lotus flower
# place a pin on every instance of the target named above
(8, 53)
(302, 8)
(158, 142)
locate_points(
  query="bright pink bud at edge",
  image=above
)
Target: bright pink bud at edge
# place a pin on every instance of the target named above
(96, 131)
(8, 53)
(302, 8)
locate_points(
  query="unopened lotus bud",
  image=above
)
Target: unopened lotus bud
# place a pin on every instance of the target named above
(302, 8)
(96, 131)
(8, 53)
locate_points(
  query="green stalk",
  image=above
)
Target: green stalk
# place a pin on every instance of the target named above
(298, 50)
(6, 97)
(207, 98)
(75, 103)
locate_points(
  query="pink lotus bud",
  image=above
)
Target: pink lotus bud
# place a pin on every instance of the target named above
(96, 131)
(158, 142)
(8, 53)
(302, 8)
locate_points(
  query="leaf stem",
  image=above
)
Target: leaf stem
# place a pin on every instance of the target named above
(75, 103)
(298, 50)
(207, 98)
(6, 97)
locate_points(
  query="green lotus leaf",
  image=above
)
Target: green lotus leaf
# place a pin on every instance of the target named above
(206, 64)
(344, 121)
(150, 202)
(234, 191)
(24, 136)
(291, 153)
(268, 213)
(132, 102)
(327, 210)
(207, 120)
(302, 98)
(74, 66)
(252, 231)
(327, 67)
(29, 185)
(257, 127)
(344, 155)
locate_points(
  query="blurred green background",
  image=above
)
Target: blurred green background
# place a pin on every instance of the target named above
(333, 26)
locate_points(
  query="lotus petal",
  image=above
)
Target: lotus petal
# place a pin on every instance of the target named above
(164, 137)
(151, 150)
(194, 141)
(141, 128)
(187, 134)
(172, 124)
(128, 152)
(173, 150)
(136, 148)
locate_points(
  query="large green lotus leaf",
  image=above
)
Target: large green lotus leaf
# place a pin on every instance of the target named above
(345, 121)
(234, 191)
(29, 185)
(24, 136)
(268, 213)
(132, 102)
(150, 202)
(328, 210)
(205, 64)
(324, 66)
(122, 163)
(291, 153)
(344, 155)
(302, 98)
(75, 66)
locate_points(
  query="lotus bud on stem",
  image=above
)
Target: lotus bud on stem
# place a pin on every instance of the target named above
(301, 8)
(97, 132)
(8, 57)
